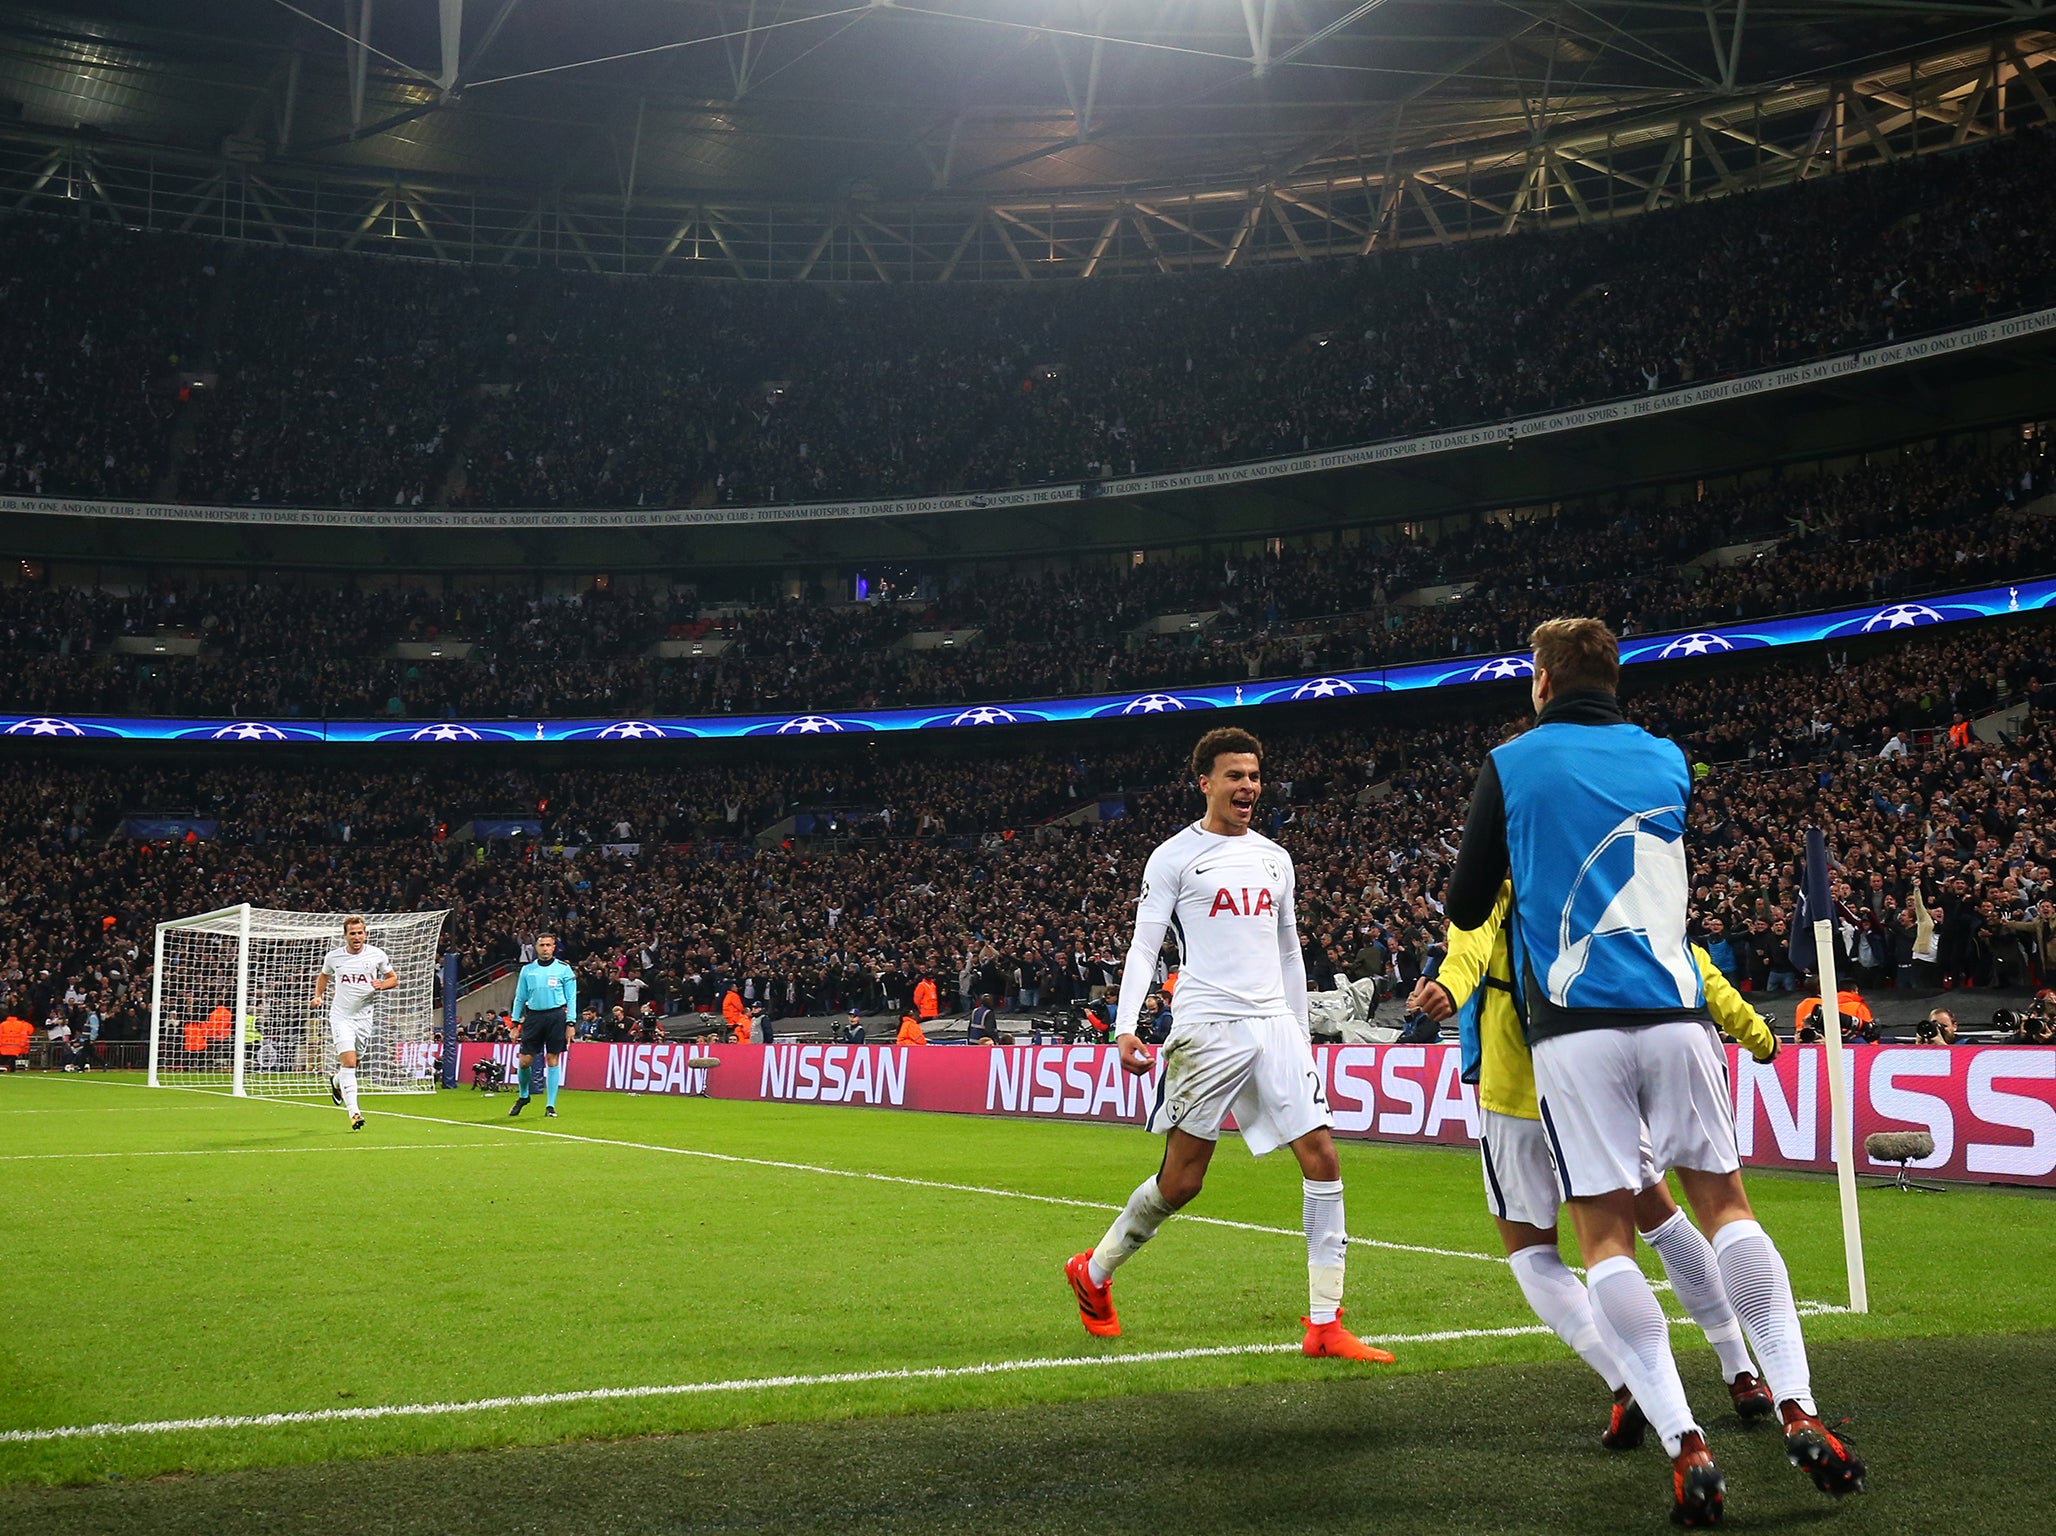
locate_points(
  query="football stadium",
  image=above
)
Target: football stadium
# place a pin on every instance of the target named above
(699, 692)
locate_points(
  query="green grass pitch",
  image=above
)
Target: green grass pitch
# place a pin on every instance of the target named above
(176, 1256)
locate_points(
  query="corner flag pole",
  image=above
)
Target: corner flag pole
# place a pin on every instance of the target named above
(1840, 1115)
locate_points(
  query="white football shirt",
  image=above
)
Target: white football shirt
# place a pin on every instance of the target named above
(1228, 902)
(350, 978)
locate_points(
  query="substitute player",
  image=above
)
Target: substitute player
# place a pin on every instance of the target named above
(1476, 982)
(1239, 1044)
(1585, 813)
(545, 1005)
(359, 971)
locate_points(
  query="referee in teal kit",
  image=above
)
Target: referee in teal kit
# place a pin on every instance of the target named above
(546, 1010)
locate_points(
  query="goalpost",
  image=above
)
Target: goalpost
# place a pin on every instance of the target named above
(232, 1002)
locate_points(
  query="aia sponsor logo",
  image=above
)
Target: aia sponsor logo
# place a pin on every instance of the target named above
(1251, 904)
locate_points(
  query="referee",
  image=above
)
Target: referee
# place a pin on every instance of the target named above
(545, 1005)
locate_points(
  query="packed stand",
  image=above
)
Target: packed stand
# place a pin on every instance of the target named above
(1949, 517)
(357, 381)
(960, 870)
(93, 325)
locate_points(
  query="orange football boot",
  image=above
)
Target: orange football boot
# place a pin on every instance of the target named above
(1335, 1342)
(1095, 1302)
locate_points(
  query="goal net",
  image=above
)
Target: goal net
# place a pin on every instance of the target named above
(232, 1003)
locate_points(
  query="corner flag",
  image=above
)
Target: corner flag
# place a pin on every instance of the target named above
(1813, 929)
(1815, 903)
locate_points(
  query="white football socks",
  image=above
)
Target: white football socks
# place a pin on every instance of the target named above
(1695, 1277)
(1560, 1301)
(346, 1080)
(1136, 1225)
(1761, 1290)
(1633, 1327)
(1327, 1247)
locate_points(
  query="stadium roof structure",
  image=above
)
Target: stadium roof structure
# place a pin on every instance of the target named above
(884, 140)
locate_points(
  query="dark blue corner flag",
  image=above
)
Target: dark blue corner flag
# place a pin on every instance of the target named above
(1815, 902)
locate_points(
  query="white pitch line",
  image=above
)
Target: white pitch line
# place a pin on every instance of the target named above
(359, 1147)
(898, 1178)
(895, 1178)
(750, 1384)
(699, 1388)
(97, 1109)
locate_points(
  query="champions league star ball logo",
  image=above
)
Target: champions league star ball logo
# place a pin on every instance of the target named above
(809, 725)
(1501, 668)
(247, 730)
(985, 714)
(1695, 645)
(1900, 616)
(445, 733)
(1151, 704)
(1324, 688)
(43, 726)
(1639, 882)
(630, 730)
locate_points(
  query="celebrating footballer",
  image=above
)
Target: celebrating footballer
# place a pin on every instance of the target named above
(1238, 1045)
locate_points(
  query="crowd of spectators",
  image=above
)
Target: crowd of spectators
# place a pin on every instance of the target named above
(962, 869)
(1934, 518)
(135, 363)
(92, 325)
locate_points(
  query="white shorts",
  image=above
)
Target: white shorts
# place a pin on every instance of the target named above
(1520, 1175)
(1261, 1070)
(1602, 1091)
(347, 1032)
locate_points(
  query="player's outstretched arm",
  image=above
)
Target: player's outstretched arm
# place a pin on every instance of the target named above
(1481, 860)
(1740, 1022)
(1464, 968)
(1152, 921)
(1291, 958)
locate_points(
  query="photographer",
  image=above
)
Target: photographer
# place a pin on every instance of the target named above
(2033, 1025)
(1857, 1023)
(82, 1054)
(1938, 1028)
(1099, 1014)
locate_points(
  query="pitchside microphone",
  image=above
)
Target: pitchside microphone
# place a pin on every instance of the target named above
(1898, 1146)
(1902, 1147)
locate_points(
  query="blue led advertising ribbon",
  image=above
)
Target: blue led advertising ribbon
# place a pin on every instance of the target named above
(1840, 624)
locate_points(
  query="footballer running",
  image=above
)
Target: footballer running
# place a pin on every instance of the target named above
(1239, 1043)
(360, 971)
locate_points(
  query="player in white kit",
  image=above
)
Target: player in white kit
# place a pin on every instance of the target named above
(358, 971)
(1238, 1045)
